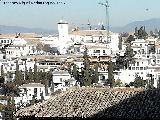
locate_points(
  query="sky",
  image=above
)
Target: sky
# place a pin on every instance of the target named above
(77, 13)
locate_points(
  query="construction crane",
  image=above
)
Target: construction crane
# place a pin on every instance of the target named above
(107, 18)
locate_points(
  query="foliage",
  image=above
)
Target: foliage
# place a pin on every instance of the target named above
(110, 74)
(87, 73)
(118, 83)
(159, 34)
(54, 50)
(141, 33)
(46, 48)
(30, 76)
(95, 75)
(75, 72)
(120, 42)
(102, 27)
(1, 80)
(129, 56)
(124, 61)
(120, 62)
(130, 39)
(2, 107)
(35, 75)
(39, 47)
(90, 75)
(18, 75)
(11, 88)
(2, 71)
(139, 82)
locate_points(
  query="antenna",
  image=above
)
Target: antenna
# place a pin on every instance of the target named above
(107, 18)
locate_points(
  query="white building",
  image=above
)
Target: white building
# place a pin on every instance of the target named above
(62, 80)
(27, 92)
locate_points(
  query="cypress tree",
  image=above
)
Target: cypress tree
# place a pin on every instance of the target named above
(30, 75)
(110, 74)
(87, 72)
(75, 72)
(18, 75)
(35, 77)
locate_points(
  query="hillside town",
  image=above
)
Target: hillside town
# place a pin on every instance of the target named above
(35, 67)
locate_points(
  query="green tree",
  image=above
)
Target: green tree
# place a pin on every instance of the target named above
(139, 82)
(25, 71)
(156, 31)
(2, 71)
(95, 75)
(136, 32)
(39, 47)
(159, 34)
(102, 27)
(2, 75)
(30, 76)
(142, 34)
(10, 108)
(151, 33)
(87, 73)
(118, 83)
(46, 48)
(35, 75)
(75, 72)
(18, 75)
(110, 74)
(129, 56)
(120, 42)
(130, 39)
(33, 101)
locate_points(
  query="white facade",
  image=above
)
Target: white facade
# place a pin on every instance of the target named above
(18, 51)
(99, 51)
(49, 40)
(28, 91)
(62, 80)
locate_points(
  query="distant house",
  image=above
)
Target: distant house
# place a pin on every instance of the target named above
(29, 92)
(62, 80)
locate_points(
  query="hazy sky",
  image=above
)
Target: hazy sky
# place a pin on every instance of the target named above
(77, 12)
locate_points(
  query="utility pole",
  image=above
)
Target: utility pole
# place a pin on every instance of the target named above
(106, 4)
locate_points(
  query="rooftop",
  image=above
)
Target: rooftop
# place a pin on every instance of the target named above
(32, 85)
(90, 32)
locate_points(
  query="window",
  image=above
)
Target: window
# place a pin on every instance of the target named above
(141, 68)
(96, 51)
(137, 68)
(137, 63)
(60, 79)
(133, 68)
(103, 51)
(35, 92)
(103, 77)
